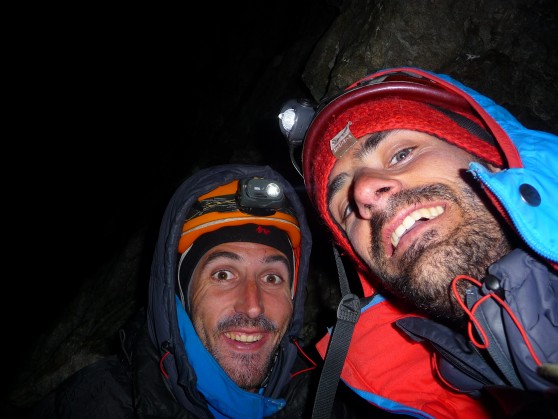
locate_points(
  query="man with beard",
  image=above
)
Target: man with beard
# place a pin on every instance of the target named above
(221, 334)
(446, 204)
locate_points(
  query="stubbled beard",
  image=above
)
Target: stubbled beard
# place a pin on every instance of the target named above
(428, 266)
(248, 371)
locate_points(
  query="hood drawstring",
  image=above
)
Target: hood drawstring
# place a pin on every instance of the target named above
(485, 343)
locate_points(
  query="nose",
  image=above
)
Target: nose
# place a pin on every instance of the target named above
(249, 300)
(372, 190)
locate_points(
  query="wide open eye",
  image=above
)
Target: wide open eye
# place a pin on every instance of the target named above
(222, 275)
(273, 279)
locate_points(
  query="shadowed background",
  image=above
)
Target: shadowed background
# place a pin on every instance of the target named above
(118, 106)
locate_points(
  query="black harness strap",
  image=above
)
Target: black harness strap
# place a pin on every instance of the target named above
(348, 313)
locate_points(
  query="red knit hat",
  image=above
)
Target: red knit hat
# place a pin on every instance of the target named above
(453, 125)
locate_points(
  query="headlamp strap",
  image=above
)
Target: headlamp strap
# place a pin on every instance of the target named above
(223, 203)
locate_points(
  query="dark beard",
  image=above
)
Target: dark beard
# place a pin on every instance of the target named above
(428, 266)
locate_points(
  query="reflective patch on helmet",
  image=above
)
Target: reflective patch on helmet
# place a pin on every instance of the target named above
(342, 141)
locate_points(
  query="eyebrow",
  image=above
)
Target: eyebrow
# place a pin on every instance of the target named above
(227, 255)
(363, 149)
(277, 258)
(236, 257)
(370, 144)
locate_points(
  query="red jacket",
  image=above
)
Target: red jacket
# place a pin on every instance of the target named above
(390, 370)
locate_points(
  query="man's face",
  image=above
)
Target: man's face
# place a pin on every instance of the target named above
(405, 202)
(241, 307)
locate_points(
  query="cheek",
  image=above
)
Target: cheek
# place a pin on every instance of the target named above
(280, 309)
(448, 164)
(437, 172)
(359, 236)
(207, 306)
(197, 295)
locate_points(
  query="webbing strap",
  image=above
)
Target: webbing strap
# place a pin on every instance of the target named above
(341, 273)
(348, 313)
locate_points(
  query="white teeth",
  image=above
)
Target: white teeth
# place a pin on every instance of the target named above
(409, 221)
(243, 338)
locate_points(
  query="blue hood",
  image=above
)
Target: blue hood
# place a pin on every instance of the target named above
(224, 398)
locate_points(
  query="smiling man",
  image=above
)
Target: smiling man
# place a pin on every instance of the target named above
(403, 202)
(241, 306)
(242, 261)
(446, 204)
(220, 336)
(236, 282)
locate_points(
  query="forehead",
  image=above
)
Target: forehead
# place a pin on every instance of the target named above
(243, 247)
(376, 143)
(242, 252)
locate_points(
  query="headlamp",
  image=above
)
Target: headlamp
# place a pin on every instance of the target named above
(294, 119)
(259, 196)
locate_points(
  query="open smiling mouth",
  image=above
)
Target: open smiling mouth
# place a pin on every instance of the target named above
(412, 218)
(240, 337)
